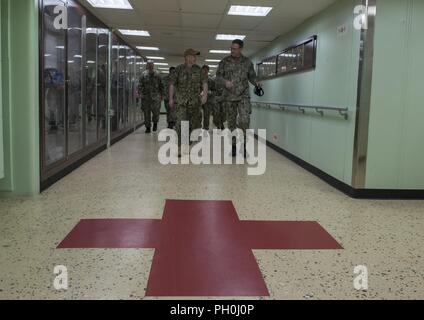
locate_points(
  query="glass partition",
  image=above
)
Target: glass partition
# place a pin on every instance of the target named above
(75, 80)
(91, 83)
(102, 81)
(54, 87)
(74, 89)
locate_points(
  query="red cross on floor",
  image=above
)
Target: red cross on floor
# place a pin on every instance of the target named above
(202, 248)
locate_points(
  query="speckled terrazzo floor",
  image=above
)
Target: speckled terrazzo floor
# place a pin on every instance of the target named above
(128, 182)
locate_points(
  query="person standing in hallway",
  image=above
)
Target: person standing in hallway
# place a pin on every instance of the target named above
(190, 87)
(170, 113)
(234, 74)
(208, 108)
(151, 93)
(219, 111)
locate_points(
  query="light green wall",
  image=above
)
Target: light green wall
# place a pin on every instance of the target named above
(325, 142)
(20, 97)
(1, 113)
(396, 135)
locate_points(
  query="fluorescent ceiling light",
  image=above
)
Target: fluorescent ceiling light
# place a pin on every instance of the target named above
(78, 56)
(163, 69)
(60, 47)
(155, 58)
(230, 37)
(139, 33)
(212, 60)
(91, 62)
(91, 30)
(220, 51)
(148, 48)
(111, 4)
(213, 66)
(249, 11)
(161, 64)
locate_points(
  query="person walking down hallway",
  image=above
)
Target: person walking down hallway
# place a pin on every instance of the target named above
(234, 74)
(170, 112)
(190, 86)
(151, 93)
(209, 107)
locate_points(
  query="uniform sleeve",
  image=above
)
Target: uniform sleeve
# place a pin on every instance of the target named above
(252, 74)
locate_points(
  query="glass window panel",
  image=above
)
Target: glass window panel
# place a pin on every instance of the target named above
(115, 85)
(102, 81)
(128, 88)
(91, 83)
(298, 58)
(121, 84)
(75, 57)
(54, 87)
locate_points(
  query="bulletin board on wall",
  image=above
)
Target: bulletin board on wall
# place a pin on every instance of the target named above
(297, 58)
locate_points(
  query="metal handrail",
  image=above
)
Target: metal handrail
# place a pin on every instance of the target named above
(302, 108)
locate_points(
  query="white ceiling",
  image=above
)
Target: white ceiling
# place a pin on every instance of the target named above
(176, 25)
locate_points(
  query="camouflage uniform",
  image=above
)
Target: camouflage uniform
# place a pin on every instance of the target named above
(209, 107)
(170, 113)
(219, 111)
(188, 86)
(151, 89)
(237, 101)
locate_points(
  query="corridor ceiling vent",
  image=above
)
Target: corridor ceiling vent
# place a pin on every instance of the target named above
(111, 4)
(229, 37)
(249, 11)
(138, 33)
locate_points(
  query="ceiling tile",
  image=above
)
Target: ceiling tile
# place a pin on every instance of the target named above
(199, 6)
(166, 19)
(302, 8)
(156, 5)
(191, 20)
(240, 22)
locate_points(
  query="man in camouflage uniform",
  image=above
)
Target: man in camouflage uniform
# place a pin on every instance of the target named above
(209, 107)
(234, 73)
(190, 86)
(151, 92)
(219, 111)
(170, 113)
